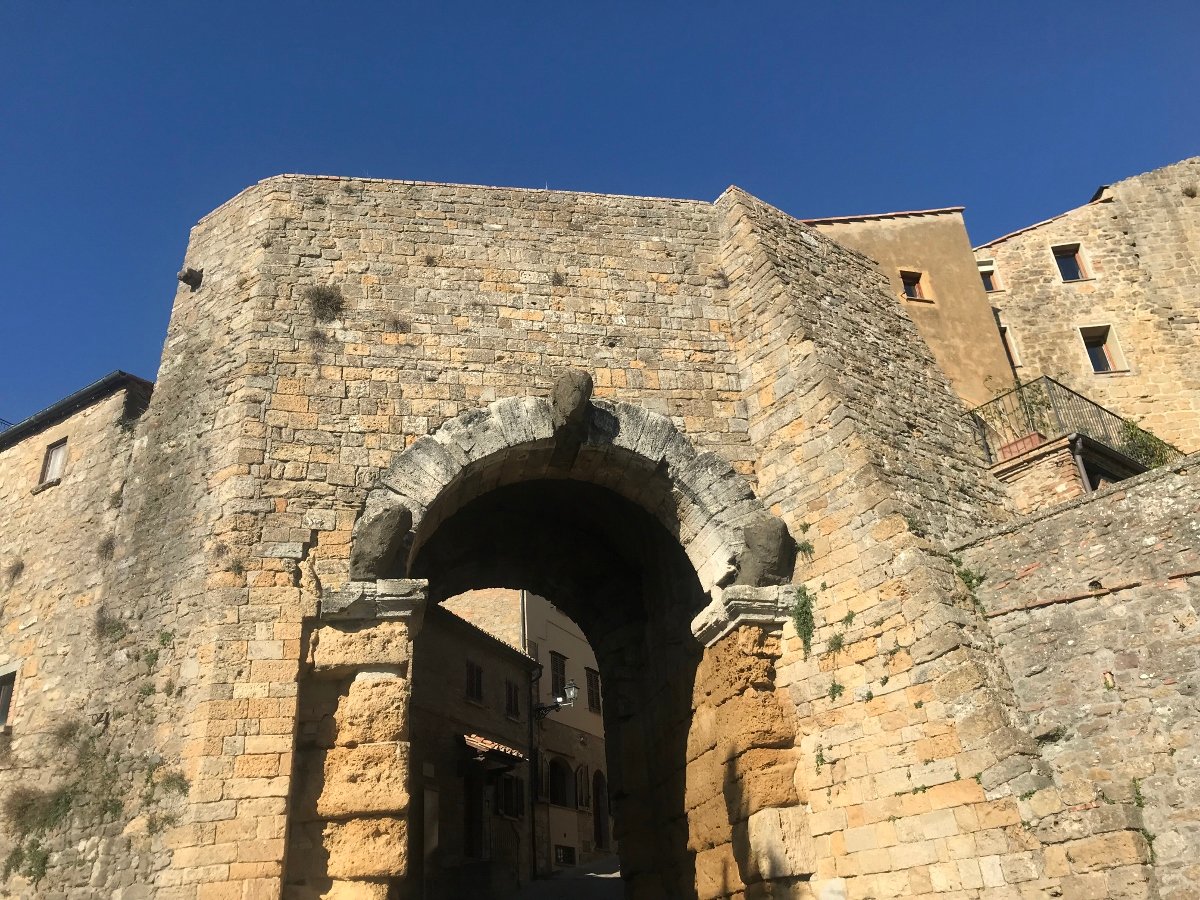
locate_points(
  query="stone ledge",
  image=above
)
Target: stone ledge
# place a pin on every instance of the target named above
(386, 598)
(740, 605)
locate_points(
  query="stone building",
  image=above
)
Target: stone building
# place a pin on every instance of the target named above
(1104, 298)
(471, 751)
(571, 815)
(836, 661)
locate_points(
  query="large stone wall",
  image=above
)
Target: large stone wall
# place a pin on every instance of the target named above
(1141, 241)
(1101, 638)
(764, 344)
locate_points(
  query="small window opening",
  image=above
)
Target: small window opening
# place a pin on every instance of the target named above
(564, 856)
(987, 274)
(914, 287)
(54, 462)
(1102, 350)
(474, 687)
(558, 675)
(593, 690)
(1070, 262)
(512, 699)
(7, 683)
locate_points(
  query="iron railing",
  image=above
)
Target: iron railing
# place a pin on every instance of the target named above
(5, 424)
(1043, 410)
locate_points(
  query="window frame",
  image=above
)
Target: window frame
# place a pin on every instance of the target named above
(595, 698)
(512, 699)
(473, 686)
(1109, 344)
(558, 675)
(988, 267)
(919, 282)
(49, 475)
(1073, 252)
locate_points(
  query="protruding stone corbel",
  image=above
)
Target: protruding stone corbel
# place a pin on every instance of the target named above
(569, 404)
(739, 605)
(191, 277)
(378, 537)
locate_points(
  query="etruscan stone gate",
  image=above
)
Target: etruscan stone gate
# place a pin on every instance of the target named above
(695, 427)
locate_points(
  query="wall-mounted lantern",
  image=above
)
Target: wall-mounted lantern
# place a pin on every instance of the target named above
(570, 692)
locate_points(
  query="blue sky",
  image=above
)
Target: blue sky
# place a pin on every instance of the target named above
(121, 123)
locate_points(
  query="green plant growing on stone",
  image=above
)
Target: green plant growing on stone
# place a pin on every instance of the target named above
(1149, 842)
(1138, 799)
(235, 567)
(805, 549)
(325, 301)
(151, 658)
(802, 618)
(1146, 448)
(174, 782)
(918, 704)
(165, 637)
(836, 690)
(820, 758)
(848, 619)
(884, 680)
(558, 279)
(869, 695)
(145, 690)
(836, 643)
(106, 547)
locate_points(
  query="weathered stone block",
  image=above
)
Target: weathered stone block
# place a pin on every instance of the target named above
(367, 848)
(780, 844)
(341, 648)
(374, 710)
(357, 890)
(367, 779)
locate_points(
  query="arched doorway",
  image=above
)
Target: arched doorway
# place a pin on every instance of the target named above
(625, 581)
(661, 555)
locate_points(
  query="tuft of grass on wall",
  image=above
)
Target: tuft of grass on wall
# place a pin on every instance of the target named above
(325, 301)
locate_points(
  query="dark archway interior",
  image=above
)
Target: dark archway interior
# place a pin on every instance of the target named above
(625, 580)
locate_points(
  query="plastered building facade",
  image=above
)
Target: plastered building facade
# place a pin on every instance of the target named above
(710, 432)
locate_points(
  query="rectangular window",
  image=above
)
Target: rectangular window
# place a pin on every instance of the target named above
(474, 681)
(558, 675)
(1070, 262)
(914, 285)
(510, 797)
(564, 856)
(987, 273)
(593, 689)
(54, 462)
(1103, 352)
(512, 699)
(7, 683)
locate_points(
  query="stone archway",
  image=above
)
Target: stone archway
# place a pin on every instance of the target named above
(673, 569)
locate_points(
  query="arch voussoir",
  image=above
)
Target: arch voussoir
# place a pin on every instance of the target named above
(701, 498)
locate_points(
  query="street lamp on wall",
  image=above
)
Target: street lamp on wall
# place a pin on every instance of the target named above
(570, 692)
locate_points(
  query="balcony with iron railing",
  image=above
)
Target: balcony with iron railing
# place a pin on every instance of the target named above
(1043, 410)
